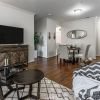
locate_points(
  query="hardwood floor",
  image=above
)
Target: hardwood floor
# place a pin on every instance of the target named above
(59, 73)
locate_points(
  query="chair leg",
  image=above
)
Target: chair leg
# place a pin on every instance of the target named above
(78, 60)
(57, 59)
(17, 92)
(60, 61)
(67, 63)
(63, 61)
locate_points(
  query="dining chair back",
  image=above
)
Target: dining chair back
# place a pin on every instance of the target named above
(87, 51)
(63, 52)
(84, 55)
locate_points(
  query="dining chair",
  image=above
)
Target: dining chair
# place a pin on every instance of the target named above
(63, 53)
(58, 51)
(83, 56)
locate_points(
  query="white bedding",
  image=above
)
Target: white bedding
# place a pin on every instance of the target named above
(82, 82)
(86, 82)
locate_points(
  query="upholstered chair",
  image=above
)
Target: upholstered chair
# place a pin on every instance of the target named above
(63, 53)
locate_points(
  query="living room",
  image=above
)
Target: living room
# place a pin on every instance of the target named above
(39, 71)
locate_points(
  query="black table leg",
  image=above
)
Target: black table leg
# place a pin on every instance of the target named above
(17, 92)
(30, 93)
(30, 90)
(73, 62)
(11, 89)
(38, 92)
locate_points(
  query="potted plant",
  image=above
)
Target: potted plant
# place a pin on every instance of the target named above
(36, 42)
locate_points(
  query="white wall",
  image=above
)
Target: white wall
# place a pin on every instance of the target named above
(51, 43)
(98, 36)
(13, 16)
(88, 25)
(44, 26)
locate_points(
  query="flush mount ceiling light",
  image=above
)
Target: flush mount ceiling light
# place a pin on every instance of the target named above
(49, 14)
(78, 11)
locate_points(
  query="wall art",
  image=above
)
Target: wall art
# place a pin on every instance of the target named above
(54, 36)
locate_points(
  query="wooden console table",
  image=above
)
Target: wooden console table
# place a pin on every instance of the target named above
(16, 54)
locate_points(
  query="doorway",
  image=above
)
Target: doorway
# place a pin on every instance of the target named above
(58, 37)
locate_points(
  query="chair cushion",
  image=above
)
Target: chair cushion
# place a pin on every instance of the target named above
(79, 55)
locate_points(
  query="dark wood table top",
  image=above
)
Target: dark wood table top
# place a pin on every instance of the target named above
(28, 77)
(74, 48)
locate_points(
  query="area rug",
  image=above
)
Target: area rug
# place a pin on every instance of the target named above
(49, 90)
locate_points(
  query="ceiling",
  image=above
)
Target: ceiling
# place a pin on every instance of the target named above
(60, 9)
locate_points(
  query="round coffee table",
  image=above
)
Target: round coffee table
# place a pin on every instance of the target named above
(28, 77)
